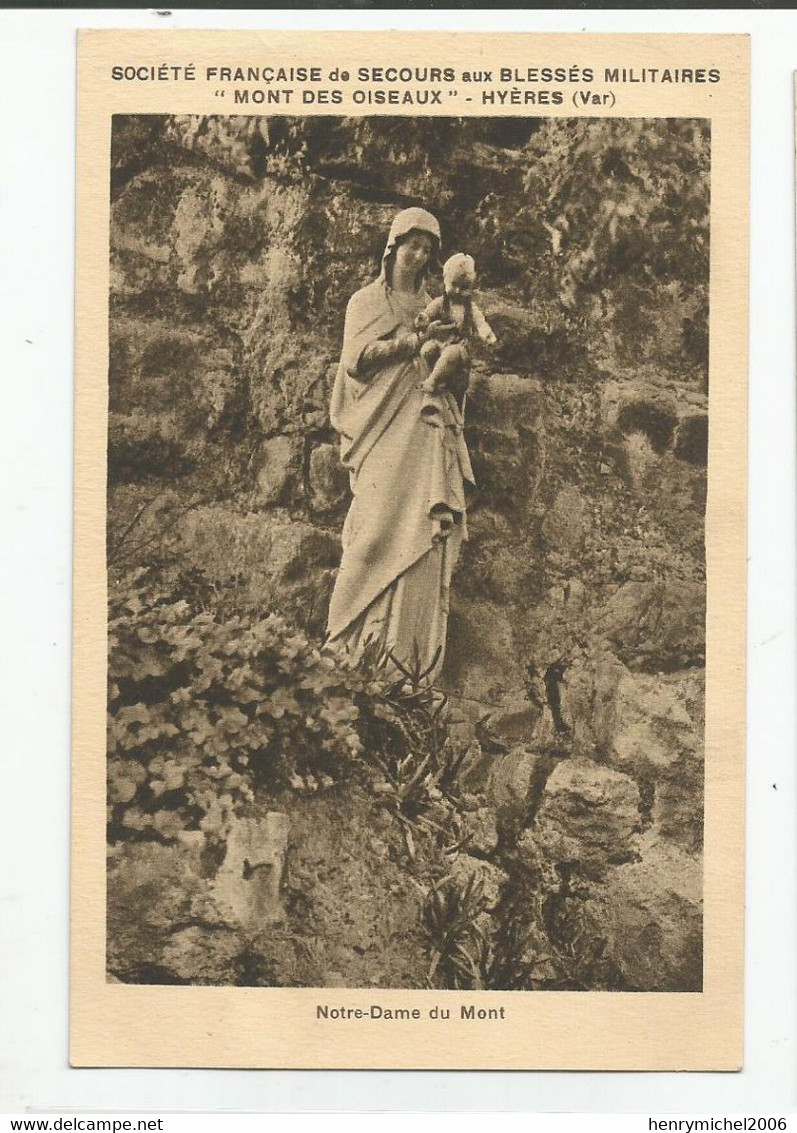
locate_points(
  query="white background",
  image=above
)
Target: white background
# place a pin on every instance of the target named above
(37, 70)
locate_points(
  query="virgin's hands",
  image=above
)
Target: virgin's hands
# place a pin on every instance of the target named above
(408, 342)
(439, 330)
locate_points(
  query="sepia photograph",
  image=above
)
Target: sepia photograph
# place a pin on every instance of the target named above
(407, 444)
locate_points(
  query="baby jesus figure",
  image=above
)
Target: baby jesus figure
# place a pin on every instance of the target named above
(458, 318)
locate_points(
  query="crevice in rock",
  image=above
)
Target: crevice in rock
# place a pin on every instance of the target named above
(656, 423)
(198, 922)
(552, 680)
(543, 768)
(307, 453)
(647, 796)
(353, 178)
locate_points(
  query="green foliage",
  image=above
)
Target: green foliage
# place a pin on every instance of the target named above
(544, 938)
(142, 524)
(406, 734)
(612, 238)
(226, 140)
(458, 946)
(203, 711)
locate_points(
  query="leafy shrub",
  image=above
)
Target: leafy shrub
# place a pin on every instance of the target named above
(450, 918)
(616, 226)
(405, 732)
(545, 938)
(205, 711)
(202, 711)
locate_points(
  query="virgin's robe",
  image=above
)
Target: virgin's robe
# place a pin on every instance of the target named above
(409, 478)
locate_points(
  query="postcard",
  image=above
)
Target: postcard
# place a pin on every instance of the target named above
(410, 550)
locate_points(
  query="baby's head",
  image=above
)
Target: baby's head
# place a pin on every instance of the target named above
(459, 276)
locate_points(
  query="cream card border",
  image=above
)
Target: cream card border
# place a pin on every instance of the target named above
(119, 1025)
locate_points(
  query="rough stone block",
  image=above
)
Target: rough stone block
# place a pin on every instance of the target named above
(513, 722)
(656, 625)
(480, 663)
(329, 480)
(248, 884)
(509, 781)
(143, 214)
(650, 914)
(202, 955)
(272, 561)
(151, 887)
(588, 693)
(480, 830)
(677, 811)
(278, 476)
(515, 785)
(486, 876)
(589, 816)
(565, 524)
(506, 400)
(652, 724)
(640, 407)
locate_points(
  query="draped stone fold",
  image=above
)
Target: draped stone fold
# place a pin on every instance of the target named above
(409, 479)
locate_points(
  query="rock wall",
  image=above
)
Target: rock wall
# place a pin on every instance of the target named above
(576, 644)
